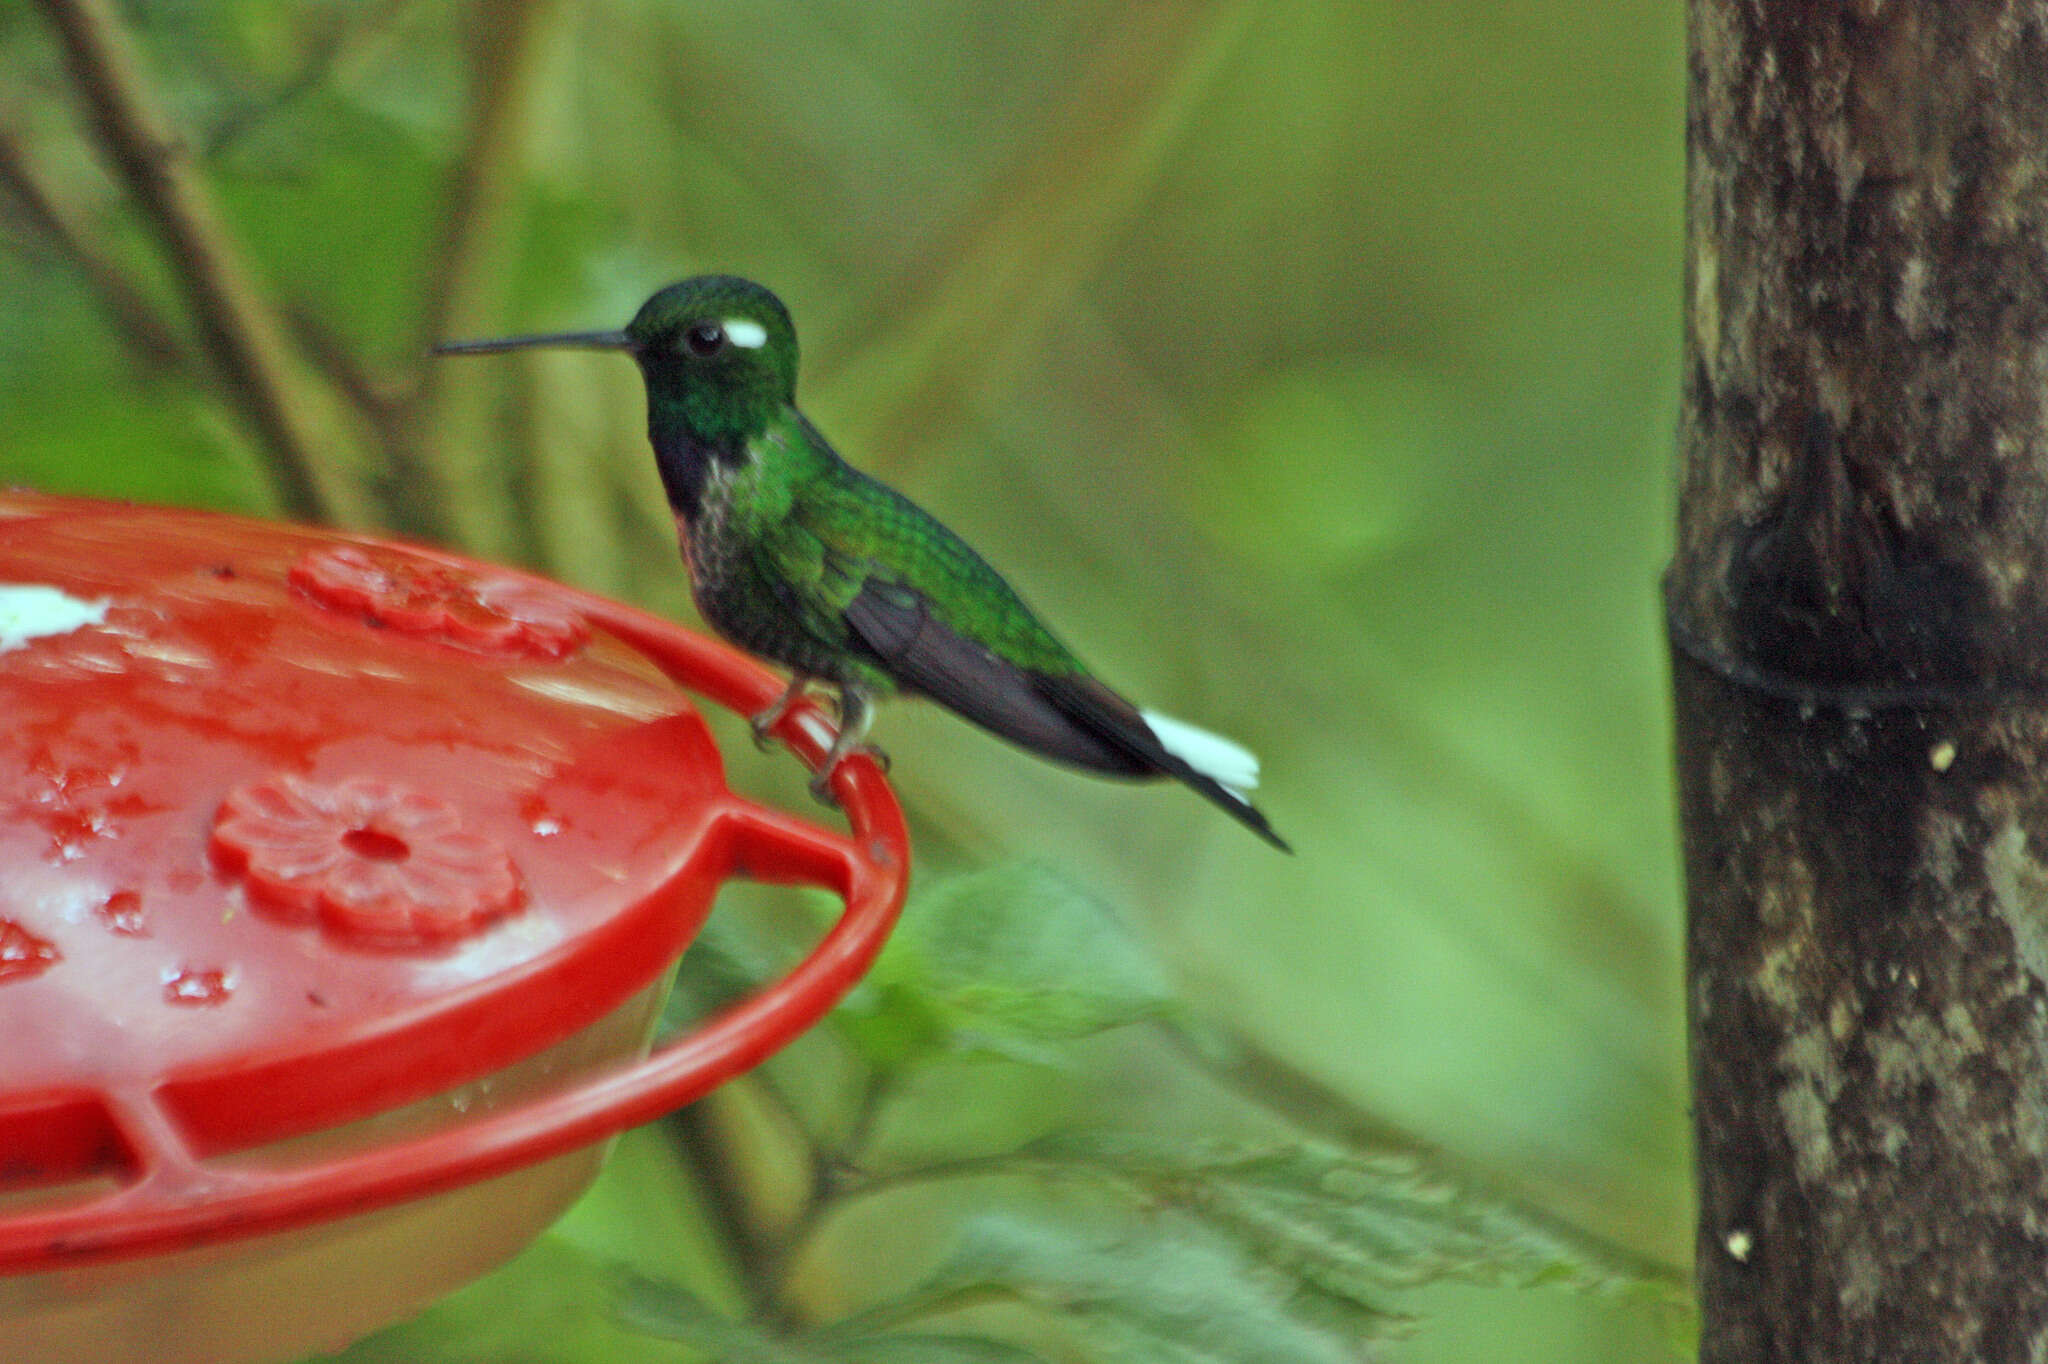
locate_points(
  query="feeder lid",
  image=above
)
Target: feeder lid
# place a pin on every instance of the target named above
(302, 827)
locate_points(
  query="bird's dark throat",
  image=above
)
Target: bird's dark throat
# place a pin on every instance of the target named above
(686, 463)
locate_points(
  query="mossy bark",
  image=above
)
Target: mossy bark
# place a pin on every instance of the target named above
(1859, 611)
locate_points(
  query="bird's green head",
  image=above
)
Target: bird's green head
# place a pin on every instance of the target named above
(718, 353)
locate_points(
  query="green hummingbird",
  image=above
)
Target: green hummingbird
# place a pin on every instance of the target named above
(800, 558)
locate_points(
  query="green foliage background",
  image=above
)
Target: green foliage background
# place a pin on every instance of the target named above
(1311, 365)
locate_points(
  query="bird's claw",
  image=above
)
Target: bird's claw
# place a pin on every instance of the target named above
(821, 781)
(763, 722)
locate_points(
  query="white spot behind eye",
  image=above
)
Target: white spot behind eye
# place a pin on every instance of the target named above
(745, 334)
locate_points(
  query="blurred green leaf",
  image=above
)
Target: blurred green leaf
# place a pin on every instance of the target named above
(1172, 1292)
(1007, 961)
(1312, 470)
(668, 1311)
(50, 412)
(340, 204)
(1352, 1226)
(671, 1312)
(735, 953)
(930, 1349)
(550, 1305)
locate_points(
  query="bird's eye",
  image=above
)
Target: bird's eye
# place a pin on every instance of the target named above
(704, 340)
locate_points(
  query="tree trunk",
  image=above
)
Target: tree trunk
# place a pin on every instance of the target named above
(1859, 619)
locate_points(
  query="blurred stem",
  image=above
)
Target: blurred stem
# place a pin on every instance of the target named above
(1001, 1164)
(382, 409)
(732, 1222)
(239, 332)
(917, 1306)
(338, 30)
(835, 1176)
(1246, 1068)
(464, 491)
(142, 329)
(370, 392)
(761, 1249)
(504, 46)
(975, 309)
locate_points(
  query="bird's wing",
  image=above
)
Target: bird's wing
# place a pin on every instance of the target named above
(1067, 716)
(899, 628)
(899, 588)
(938, 619)
(871, 534)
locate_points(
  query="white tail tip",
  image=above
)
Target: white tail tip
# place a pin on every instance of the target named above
(1229, 765)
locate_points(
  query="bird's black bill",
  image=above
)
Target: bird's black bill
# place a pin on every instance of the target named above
(555, 341)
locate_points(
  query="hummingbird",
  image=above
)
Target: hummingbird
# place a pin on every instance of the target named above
(802, 559)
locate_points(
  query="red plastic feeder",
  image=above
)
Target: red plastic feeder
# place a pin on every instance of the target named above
(339, 887)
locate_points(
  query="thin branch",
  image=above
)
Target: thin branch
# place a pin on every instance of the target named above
(857, 1185)
(155, 345)
(844, 1156)
(376, 398)
(707, 1151)
(919, 1305)
(372, 393)
(505, 51)
(468, 267)
(240, 335)
(835, 1176)
(969, 314)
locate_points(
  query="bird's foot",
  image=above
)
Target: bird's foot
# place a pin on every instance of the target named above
(821, 780)
(764, 722)
(854, 714)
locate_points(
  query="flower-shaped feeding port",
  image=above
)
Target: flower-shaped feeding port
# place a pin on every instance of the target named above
(22, 953)
(417, 596)
(370, 859)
